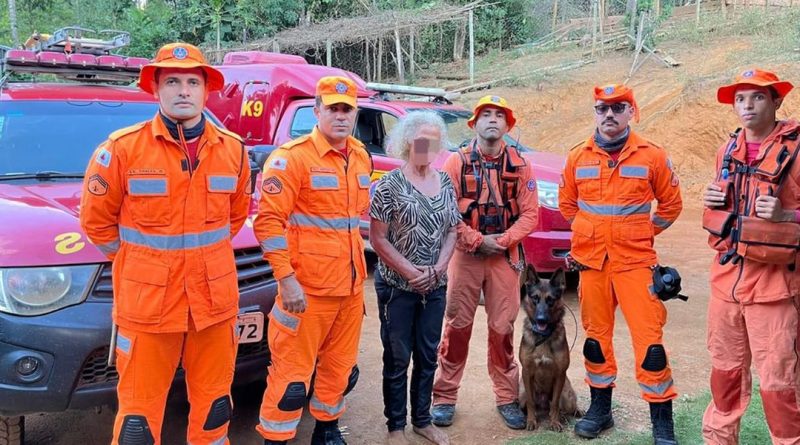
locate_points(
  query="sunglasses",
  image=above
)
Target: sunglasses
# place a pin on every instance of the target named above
(617, 108)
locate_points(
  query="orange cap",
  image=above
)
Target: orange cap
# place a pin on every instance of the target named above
(337, 90)
(616, 92)
(180, 55)
(753, 77)
(492, 101)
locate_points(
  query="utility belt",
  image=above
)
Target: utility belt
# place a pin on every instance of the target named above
(747, 235)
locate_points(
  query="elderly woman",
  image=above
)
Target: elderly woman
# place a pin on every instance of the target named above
(413, 230)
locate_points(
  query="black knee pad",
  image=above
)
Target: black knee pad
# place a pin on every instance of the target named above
(352, 380)
(219, 413)
(294, 397)
(592, 351)
(135, 431)
(655, 359)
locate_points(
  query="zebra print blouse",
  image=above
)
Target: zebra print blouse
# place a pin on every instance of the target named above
(417, 222)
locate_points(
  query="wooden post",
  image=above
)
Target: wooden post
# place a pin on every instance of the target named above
(276, 47)
(380, 60)
(411, 51)
(602, 14)
(657, 8)
(401, 75)
(471, 47)
(594, 26)
(697, 22)
(366, 58)
(555, 14)
(329, 50)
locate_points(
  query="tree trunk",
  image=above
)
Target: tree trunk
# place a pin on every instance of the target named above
(12, 19)
(401, 75)
(630, 11)
(380, 59)
(458, 41)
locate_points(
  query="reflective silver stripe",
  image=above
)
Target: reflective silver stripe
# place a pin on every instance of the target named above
(286, 426)
(283, 318)
(299, 219)
(324, 182)
(587, 173)
(123, 343)
(333, 410)
(222, 183)
(614, 210)
(109, 248)
(661, 222)
(220, 441)
(599, 379)
(147, 186)
(657, 389)
(175, 242)
(633, 171)
(274, 243)
(363, 181)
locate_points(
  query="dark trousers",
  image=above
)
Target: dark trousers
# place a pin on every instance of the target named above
(409, 329)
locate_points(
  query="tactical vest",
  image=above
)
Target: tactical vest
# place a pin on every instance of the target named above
(498, 213)
(737, 231)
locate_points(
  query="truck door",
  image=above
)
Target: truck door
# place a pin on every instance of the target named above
(253, 115)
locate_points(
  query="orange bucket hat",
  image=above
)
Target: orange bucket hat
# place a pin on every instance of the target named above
(337, 90)
(180, 55)
(492, 101)
(614, 93)
(754, 77)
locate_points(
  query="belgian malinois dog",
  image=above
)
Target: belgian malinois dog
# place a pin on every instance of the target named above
(544, 352)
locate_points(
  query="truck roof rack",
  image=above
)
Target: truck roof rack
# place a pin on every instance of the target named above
(438, 95)
(71, 53)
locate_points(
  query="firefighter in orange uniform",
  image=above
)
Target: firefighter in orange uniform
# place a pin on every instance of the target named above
(497, 197)
(314, 190)
(606, 191)
(754, 224)
(163, 200)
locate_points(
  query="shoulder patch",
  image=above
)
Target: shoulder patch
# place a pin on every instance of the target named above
(295, 142)
(126, 131)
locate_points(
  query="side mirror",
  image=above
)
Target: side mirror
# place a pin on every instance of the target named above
(259, 154)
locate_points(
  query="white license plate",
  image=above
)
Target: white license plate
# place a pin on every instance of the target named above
(250, 327)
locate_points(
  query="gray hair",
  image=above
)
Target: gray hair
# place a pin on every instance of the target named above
(402, 135)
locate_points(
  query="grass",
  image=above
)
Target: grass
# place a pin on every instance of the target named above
(688, 415)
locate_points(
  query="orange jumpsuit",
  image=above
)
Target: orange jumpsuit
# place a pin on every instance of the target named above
(753, 317)
(609, 206)
(468, 275)
(308, 225)
(168, 232)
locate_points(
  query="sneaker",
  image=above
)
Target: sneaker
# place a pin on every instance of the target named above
(598, 418)
(513, 416)
(442, 415)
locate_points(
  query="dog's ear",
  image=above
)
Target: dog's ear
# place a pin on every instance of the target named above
(530, 275)
(559, 280)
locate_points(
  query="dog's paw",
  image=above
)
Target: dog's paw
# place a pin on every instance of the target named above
(531, 425)
(556, 425)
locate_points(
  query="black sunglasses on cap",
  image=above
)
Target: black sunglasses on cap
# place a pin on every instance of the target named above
(617, 108)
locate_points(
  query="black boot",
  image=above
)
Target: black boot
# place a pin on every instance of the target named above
(274, 442)
(598, 418)
(327, 433)
(663, 428)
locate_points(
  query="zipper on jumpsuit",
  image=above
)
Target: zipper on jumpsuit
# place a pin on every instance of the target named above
(349, 228)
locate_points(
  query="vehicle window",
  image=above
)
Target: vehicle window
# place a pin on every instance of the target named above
(458, 132)
(389, 121)
(60, 136)
(303, 122)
